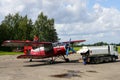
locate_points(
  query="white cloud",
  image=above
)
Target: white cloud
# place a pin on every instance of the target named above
(72, 18)
(10, 6)
(30, 7)
(65, 11)
(103, 26)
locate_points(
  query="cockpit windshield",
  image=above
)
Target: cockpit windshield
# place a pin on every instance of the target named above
(38, 49)
(48, 47)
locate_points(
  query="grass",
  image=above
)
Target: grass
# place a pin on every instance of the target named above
(76, 48)
(118, 49)
(9, 53)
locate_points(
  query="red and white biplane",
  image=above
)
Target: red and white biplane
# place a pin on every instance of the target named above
(40, 50)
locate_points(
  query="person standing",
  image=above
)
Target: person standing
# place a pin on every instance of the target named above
(85, 56)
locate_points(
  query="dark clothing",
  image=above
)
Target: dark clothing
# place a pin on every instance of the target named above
(85, 57)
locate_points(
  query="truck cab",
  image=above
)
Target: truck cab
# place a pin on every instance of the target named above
(113, 50)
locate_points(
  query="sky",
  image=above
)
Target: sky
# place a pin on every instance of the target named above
(91, 20)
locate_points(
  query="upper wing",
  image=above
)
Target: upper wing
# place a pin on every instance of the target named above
(16, 43)
(74, 41)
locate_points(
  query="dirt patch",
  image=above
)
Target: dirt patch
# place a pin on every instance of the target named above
(91, 71)
(69, 74)
(20, 69)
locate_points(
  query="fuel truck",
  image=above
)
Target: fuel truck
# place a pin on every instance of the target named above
(98, 54)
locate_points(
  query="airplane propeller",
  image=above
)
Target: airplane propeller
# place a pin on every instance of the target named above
(68, 48)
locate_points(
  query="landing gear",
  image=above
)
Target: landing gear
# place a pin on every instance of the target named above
(66, 59)
(52, 61)
(30, 60)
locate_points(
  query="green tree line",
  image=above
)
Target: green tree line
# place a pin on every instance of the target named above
(99, 44)
(17, 27)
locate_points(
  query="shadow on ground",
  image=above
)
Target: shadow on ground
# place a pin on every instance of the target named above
(45, 62)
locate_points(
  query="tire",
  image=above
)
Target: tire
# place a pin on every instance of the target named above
(92, 60)
(52, 62)
(30, 60)
(67, 60)
(113, 59)
(97, 60)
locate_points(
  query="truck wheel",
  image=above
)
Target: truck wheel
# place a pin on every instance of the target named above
(107, 60)
(113, 59)
(51, 62)
(97, 61)
(101, 60)
(92, 60)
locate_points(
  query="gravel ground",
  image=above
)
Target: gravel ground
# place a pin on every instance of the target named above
(20, 69)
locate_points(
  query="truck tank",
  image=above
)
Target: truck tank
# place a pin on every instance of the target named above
(100, 53)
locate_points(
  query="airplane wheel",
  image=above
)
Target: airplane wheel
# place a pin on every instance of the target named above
(52, 61)
(30, 60)
(67, 60)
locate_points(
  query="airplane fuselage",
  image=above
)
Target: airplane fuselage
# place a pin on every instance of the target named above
(42, 52)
